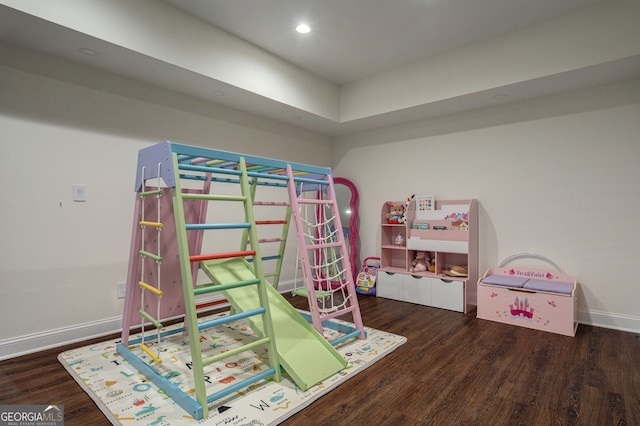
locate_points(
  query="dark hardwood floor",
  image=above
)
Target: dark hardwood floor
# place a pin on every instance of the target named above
(453, 370)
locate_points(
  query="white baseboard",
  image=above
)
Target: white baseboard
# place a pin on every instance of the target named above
(30, 343)
(287, 286)
(22, 345)
(608, 320)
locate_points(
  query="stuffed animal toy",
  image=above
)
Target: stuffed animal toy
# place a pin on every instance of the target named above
(421, 262)
(395, 214)
(405, 208)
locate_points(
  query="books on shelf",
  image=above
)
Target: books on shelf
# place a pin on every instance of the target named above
(420, 225)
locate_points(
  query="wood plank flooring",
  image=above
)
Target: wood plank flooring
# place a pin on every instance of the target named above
(453, 370)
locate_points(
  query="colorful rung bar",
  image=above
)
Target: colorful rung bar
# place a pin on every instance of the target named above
(268, 240)
(206, 169)
(281, 171)
(270, 203)
(265, 258)
(211, 303)
(324, 245)
(146, 223)
(213, 197)
(204, 289)
(151, 255)
(204, 226)
(313, 201)
(246, 383)
(252, 168)
(226, 255)
(150, 353)
(151, 319)
(307, 180)
(230, 318)
(228, 180)
(271, 222)
(153, 192)
(235, 351)
(151, 288)
(274, 257)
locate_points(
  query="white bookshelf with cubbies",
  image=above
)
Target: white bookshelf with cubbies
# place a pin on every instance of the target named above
(447, 231)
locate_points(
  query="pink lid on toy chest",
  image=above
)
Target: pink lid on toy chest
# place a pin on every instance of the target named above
(549, 286)
(505, 280)
(530, 279)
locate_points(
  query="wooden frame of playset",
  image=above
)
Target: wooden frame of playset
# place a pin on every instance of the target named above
(168, 236)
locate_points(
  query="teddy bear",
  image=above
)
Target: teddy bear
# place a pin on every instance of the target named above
(421, 262)
(396, 212)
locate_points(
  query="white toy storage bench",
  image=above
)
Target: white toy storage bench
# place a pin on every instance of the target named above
(534, 298)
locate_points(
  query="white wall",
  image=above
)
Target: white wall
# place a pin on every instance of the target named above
(556, 176)
(61, 260)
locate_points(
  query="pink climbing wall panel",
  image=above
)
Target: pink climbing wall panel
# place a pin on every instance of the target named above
(172, 301)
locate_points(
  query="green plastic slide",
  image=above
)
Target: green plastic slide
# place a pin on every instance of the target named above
(305, 354)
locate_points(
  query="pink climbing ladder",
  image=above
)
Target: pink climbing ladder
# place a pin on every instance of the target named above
(322, 250)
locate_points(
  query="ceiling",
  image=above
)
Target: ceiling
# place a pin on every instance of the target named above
(350, 41)
(353, 39)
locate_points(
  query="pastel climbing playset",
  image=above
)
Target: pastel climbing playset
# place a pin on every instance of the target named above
(192, 203)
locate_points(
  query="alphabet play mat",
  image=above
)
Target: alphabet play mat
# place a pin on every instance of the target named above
(125, 396)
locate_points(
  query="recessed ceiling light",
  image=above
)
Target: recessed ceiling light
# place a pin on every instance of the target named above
(88, 51)
(500, 96)
(218, 93)
(303, 28)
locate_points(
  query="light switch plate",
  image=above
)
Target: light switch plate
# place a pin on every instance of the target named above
(80, 193)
